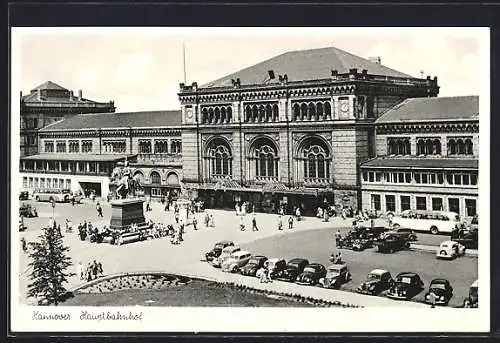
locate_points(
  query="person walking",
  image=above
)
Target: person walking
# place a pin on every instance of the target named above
(212, 221)
(207, 220)
(148, 206)
(99, 210)
(79, 270)
(73, 200)
(177, 217)
(195, 223)
(24, 245)
(290, 222)
(338, 235)
(280, 223)
(254, 224)
(100, 271)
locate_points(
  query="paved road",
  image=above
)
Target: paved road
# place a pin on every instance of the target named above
(161, 255)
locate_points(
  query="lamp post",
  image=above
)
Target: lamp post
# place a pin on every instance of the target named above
(53, 203)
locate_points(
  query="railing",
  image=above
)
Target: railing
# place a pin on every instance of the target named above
(67, 172)
(316, 181)
(261, 179)
(159, 158)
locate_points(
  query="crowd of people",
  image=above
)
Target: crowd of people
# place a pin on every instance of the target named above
(91, 271)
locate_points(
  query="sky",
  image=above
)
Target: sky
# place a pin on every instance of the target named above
(140, 69)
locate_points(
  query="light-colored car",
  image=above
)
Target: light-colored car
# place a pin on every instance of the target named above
(274, 265)
(235, 261)
(57, 195)
(336, 275)
(450, 249)
(226, 252)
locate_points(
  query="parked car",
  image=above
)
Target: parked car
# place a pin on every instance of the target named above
(336, 275)
(254, 264)
(377, 281)
(274, 266)
(468, 240)
(440, 290)
(235, 261)
(217, 249)
(293, 268)
(311, 275)
(391, 243)
(472, 300)
(24, 195)
(27, 210)
(408, 233)
(405, 286)
(225, 253)
(450, 250)
(474, 224)
(362, 244)
(57, 195)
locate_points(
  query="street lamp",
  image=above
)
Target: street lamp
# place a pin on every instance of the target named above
(53, 203)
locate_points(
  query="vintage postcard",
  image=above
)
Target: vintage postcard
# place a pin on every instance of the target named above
(250, 179)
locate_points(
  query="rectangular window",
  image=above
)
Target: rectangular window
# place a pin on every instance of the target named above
(421, 203)
(424, 178)
(371, 177)
(68, 184)
(42, 182)
(454, 205)
(365, 176)
(74, 146)
(437, 204)
(48, 146)
(440, 178)
(405, 202)
(457, 179)
(417, 177)
(470, 207)
(92, 167)
(155, 192)
(465, 179)
(378, 176)
(473, 179)
(86, 146)
(394, 177)
(25, 182)
(61, 146)
(145, 147)
(449, 178)
(401, 177)
(375, 202)
(408, 177)
(30, 182)
(390, 203)
(432, 178)
(35, 184)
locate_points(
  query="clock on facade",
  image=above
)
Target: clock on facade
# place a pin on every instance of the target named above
(189, 113)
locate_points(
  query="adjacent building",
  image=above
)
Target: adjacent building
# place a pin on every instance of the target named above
(427, 157)
(292, 130)
(47, 104)
(80, 152)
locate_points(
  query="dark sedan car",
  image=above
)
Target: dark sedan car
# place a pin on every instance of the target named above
(378, 280)
(392, 242)
(468, 240)
(440, 290)
(405, 286)
(293, 268)
(311, 275)
(217, 250)
(255, 263)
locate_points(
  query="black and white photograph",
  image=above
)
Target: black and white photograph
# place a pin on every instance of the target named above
(190, 179)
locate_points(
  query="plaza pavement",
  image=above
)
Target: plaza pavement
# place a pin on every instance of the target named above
(161, 255)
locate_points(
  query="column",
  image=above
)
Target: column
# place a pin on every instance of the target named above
(335, 107)
(87, 167)
(283, 105)
(60, 166)
(352, 106)
(77, 166)
(46, 165)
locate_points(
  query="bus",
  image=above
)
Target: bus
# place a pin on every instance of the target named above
(58, 195)
(428, 221)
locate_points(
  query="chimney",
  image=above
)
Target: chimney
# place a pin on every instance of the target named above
(376, 59)
(80, 94)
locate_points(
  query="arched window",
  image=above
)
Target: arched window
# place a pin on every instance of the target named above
(172, 179)
(316, 159)
(319, 110)
(436, 145)
(303, 112)
(211, 115)
(262, 113)
(204, 116)
(139, 176)
(420, 147)
(223, 115)
(468, 147)
(229, 114)
(428, 147)
(265, 156)
(296, 111)
(217, 115)
(155, 178)
(391, 147)
(255, 113)
(452, 147)
(275, 113)
(219, 158)
(311, 113)
(460, 147)
(328, 109)
(248, 114)
(407, 147)
(269, 113)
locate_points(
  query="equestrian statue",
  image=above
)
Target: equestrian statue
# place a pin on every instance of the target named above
(127, 185)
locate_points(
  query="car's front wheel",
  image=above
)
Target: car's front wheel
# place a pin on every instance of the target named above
(434, 230)
(37, 198)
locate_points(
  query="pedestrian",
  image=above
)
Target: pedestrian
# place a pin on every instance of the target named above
(254, 224)
(99, 210)
(94, 269)
(88, 272)
(195, 223)
(73, 200)
(212, 220)
(338, 235)
(148, 206)
(177, 217)
(207, 220)
(99, 269)
(263, 275)
(242, 224)
(79, 270)
(298, 214)
(280, 223)
(24, 245)
(343, 213)
(269, 274)
(290, 222)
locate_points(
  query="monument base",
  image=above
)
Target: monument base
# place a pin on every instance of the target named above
(125, 212)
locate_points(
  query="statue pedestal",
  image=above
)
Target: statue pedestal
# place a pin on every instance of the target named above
(125, 212)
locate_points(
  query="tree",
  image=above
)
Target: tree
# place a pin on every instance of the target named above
(49, 263)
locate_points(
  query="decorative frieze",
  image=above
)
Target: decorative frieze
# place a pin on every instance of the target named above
(467, 127)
